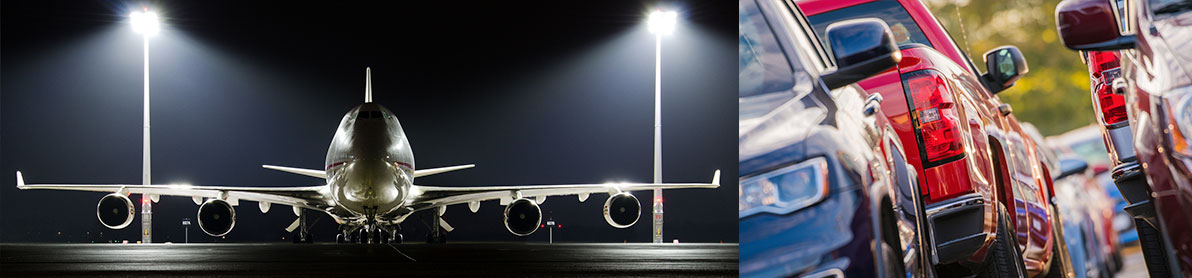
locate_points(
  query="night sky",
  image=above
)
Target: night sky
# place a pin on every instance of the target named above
(533, 92)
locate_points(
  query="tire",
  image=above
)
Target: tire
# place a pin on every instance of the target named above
(1061, 262)
(364, 236)
(1153, 249)
(1003, 259)
(339, 238)
(890, 263)
(1117, 262)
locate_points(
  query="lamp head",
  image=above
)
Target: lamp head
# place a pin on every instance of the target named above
(145, 22)
(662, 22)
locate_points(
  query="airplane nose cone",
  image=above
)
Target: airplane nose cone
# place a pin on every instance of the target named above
(370, 187)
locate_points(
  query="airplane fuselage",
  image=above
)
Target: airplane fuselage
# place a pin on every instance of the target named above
(369, 164)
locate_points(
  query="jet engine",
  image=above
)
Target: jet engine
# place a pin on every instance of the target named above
(115, 211)
(216, 217)
(522, 217)
(622, 210)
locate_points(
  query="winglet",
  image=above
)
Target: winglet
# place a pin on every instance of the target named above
(716, 178)
(20, 180)
(367, 85)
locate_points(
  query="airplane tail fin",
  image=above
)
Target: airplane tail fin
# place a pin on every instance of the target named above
(367, 85)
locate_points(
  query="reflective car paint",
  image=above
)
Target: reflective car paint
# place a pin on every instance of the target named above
(1153, 69)
(840, 232)
(985, 128)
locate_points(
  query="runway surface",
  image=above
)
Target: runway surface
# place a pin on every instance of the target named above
(337, 260)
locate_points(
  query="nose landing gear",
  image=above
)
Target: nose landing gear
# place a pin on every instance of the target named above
(370, 234)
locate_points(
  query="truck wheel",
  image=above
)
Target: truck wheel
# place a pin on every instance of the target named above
(890, 264)
(1003, 259)
(1154, 252)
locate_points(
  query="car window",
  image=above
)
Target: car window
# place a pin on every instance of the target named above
(1164, 7)
(762, 67)
(903, 28)
(767, 76)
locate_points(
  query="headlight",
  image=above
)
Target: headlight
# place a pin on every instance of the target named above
(1179, 120)
(784, 190)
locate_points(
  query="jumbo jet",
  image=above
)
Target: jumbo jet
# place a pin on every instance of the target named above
(369, 189)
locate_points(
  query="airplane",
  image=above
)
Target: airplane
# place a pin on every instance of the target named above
(369, 189)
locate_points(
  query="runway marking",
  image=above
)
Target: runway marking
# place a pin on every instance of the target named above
(399, 252)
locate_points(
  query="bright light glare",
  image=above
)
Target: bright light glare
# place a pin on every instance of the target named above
(663, 23)
(145, 23)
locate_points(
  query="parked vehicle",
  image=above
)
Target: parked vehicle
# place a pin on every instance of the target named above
(1088, 143)
(1082, 234)
(1155, 44)
(989, 199)
(1085, 208)
(825, 189)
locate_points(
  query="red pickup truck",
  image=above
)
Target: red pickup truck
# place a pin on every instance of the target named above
(989, 200)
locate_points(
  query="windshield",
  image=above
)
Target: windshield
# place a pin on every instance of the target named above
(903, 28)
(1161, 7)
(1091, 150)
(767, 77)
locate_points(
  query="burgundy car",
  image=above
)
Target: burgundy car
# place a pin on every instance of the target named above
(1155, 42)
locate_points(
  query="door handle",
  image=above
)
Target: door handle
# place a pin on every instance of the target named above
(872, 104)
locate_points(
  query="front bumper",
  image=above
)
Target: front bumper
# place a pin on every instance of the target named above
(957, 228)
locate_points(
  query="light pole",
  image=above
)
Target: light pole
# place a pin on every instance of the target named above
(661, 23)
(145, 23)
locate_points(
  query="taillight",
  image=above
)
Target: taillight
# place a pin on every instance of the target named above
(1113, 106)
(935, 115)
(1104, 66)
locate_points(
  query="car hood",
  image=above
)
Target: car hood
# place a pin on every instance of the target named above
(782, 127)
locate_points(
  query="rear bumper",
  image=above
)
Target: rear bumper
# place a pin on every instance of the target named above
(957, 228)
(1131, 182)
(1120, 139)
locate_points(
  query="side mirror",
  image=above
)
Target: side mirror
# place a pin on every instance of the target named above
(1005, 65)
(862, 48)
(1071, 166)
(1090, 25)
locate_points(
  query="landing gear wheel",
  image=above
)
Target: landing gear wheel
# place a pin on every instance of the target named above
(1003, 259)
(441, 238)
(396, 236)
(378, 237)
(364, 236)
(339, 238)
(298, 238)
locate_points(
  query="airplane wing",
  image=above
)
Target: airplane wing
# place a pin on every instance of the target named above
(432, 171)
(438, 196)
(310, 197)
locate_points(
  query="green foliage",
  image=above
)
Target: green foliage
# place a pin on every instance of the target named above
(1054, 95)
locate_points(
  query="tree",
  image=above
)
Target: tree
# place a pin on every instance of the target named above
(1054, 95)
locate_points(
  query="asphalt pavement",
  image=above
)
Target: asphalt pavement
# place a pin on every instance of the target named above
(339, 260)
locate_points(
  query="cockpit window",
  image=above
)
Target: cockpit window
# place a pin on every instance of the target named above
(370, 115)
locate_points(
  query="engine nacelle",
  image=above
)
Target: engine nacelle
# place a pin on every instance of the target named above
(622, 210)
(115, 211)
(216, 217)
(522, 217)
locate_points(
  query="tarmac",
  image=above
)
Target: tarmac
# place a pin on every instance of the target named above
(340, 260)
